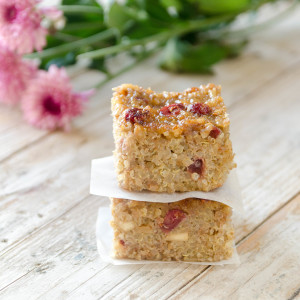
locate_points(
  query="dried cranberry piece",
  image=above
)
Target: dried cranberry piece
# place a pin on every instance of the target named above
(200, 109)
(172, 219)
(135, 115)
(196, 167)
(122, 242)
(172, 109)
(214, 133)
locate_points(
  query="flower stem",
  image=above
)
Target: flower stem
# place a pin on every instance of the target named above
(65, 37)
(163, 36)
(123, 47)
(127, 68)
(78, 9)
(73, 45)
(74, 26)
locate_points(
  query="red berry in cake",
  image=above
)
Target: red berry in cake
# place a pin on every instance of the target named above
(196, 167)
(172, 109)
(200, 109)
(215, 132)
(135, 115)
(172, 219)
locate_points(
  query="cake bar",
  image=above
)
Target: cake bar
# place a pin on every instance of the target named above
(187, 230)
(171, 142)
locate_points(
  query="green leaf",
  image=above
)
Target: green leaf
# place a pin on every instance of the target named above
(156, 11)
(180, 56)
(83, 29)
(52, 41)
(83, 17)
(118, 16)
(143, 29)
(222, 6)
(189, 10)
(145, 22)
(234, 50)
(80, 2)
(67, 60)
(99, 64)
(177, 4)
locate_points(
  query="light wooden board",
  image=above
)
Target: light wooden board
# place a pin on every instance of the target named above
(270, 262)
(47, 219)
(258, 207)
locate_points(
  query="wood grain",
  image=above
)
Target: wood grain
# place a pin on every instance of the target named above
(47, 219)
(270, 260)
(255, 210)
(261, 197)
(22, 174)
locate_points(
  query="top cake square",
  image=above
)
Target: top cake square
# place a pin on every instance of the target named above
(171, 142)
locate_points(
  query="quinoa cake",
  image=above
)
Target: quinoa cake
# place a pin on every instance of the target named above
(171, 142)
(187, 230)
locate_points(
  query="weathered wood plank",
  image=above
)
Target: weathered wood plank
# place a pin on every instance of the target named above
(270, 264)
(36, 172)
(14, 134)
(264, 182)
(261, 204)
(39, 204)
(62, 244)
(44, 183)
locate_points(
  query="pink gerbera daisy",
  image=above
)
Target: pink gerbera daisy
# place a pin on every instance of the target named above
(15, 74)
(49, 101)
(20, 25)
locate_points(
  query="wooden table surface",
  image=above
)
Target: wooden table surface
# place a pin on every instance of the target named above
(47, 217)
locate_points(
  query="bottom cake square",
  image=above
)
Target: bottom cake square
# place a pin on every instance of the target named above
(187, 230)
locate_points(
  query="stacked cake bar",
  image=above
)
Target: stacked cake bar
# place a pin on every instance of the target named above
(171, 142)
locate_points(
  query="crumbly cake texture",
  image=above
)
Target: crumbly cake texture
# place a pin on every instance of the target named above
(171, 142)
(186, 230)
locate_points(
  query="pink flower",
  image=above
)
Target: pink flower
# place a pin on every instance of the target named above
(20, 25)
(49, 101)
(15, 74)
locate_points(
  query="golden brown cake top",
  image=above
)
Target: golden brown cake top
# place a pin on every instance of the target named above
(197, 107)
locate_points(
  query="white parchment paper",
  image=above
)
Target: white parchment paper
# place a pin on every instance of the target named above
(104, 183)
(104, 233)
